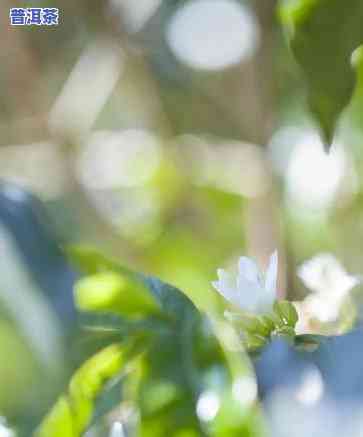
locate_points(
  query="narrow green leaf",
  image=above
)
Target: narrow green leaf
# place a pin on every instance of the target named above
(72, 413)
(59, 422)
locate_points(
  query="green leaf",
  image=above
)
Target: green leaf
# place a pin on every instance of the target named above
(73, 412)
(233, 420)
(286, 313)
(255, 342)
(115, 293)
(173, 302)
(285, 332)
(269, 322)
(59, 422)
(323, 35)
(173, 370)
(253, 324)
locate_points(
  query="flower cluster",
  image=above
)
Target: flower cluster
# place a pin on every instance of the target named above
(254, 292)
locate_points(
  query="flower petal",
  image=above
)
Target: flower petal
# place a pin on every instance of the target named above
(271, 275)
(265, 303)
(248, 269)
(224, 275)
(248, 294)
(226, 284)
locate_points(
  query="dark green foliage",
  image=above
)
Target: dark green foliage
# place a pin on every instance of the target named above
(323, 35)
(165, 354)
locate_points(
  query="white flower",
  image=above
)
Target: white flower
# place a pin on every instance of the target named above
(326, 277)
(325, 274)
(250, 290)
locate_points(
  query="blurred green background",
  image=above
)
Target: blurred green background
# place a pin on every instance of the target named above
(175, 136)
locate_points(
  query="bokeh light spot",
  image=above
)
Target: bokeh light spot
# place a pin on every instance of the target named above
(208, 405)
(312, 387)
(213, 34)
(119, 159)
(313, 176)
